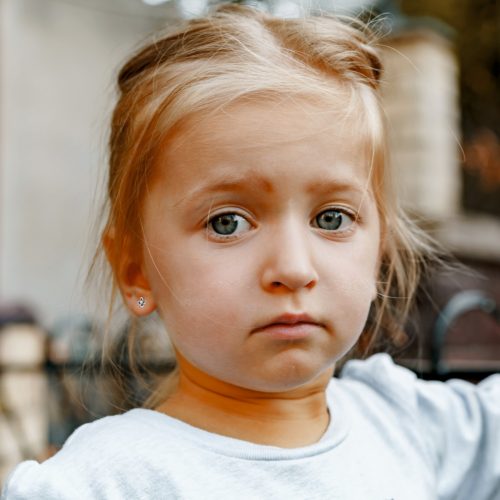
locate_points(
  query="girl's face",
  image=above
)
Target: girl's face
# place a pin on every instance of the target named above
(262, 243)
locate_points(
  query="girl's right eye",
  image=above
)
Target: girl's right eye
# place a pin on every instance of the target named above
(228, 224)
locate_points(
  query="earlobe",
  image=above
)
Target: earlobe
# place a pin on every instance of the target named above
(140, 302)
(136, 290)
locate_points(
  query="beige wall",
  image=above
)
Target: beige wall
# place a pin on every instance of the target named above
(57, 62)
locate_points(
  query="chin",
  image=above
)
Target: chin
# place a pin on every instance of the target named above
(294, 376)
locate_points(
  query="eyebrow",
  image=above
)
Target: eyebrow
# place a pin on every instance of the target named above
(229, 184)
(335, 186)
(235, 183)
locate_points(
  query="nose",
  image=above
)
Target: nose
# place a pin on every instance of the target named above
(289, 262)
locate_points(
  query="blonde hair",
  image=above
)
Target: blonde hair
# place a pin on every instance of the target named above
(239, 53)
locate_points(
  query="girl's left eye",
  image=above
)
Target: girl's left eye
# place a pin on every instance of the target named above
(334, 220)
(229, 224)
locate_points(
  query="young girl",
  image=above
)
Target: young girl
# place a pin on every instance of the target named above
(250, 208)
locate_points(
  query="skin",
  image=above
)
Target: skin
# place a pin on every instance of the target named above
(276, 167)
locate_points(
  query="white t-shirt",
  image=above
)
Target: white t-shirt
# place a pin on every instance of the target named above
(391, 436)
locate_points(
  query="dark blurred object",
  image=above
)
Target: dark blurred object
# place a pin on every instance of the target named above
(23, 393)
(15, 314)
(482, 156)
(481, 172)
(477, 27)
(459, 305)
(84, 385)
(455, 330)
(73, 397)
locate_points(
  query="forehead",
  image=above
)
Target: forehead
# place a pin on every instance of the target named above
(265, 123)
(266, 140)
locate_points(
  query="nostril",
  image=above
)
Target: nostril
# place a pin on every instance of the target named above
(312, 283)
(275, 284)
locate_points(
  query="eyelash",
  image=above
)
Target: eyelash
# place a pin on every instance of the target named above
(344, 212)
(219, 236)
(355, 219)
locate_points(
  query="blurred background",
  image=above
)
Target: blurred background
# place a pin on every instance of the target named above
(58, 61)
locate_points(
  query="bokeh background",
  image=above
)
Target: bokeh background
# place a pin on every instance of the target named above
(58, 61)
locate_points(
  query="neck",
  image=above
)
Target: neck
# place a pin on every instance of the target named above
(290, 419)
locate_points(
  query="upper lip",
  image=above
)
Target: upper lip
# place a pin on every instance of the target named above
(290, 319)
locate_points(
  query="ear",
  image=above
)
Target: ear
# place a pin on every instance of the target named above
(130, 276)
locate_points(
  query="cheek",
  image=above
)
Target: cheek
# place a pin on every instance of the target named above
(356, 265)
(194, 293)
(351, 287)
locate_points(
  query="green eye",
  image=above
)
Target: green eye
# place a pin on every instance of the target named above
(333, 220)
(228, 224)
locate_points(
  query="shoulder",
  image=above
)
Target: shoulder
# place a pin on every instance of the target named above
(457, 423)
(379, 388)
(106, 454)
(107, 438)
(458, 402)
(381, 397)
(380, 376)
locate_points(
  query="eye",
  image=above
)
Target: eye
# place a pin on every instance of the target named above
(228, 224)
(334, 220)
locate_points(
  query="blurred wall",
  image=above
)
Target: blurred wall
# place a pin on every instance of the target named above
(420, 101)
(57, 63)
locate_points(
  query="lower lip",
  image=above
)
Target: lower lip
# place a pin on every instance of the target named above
(296, 331)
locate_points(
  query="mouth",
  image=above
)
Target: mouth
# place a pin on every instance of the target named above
(290, 326)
